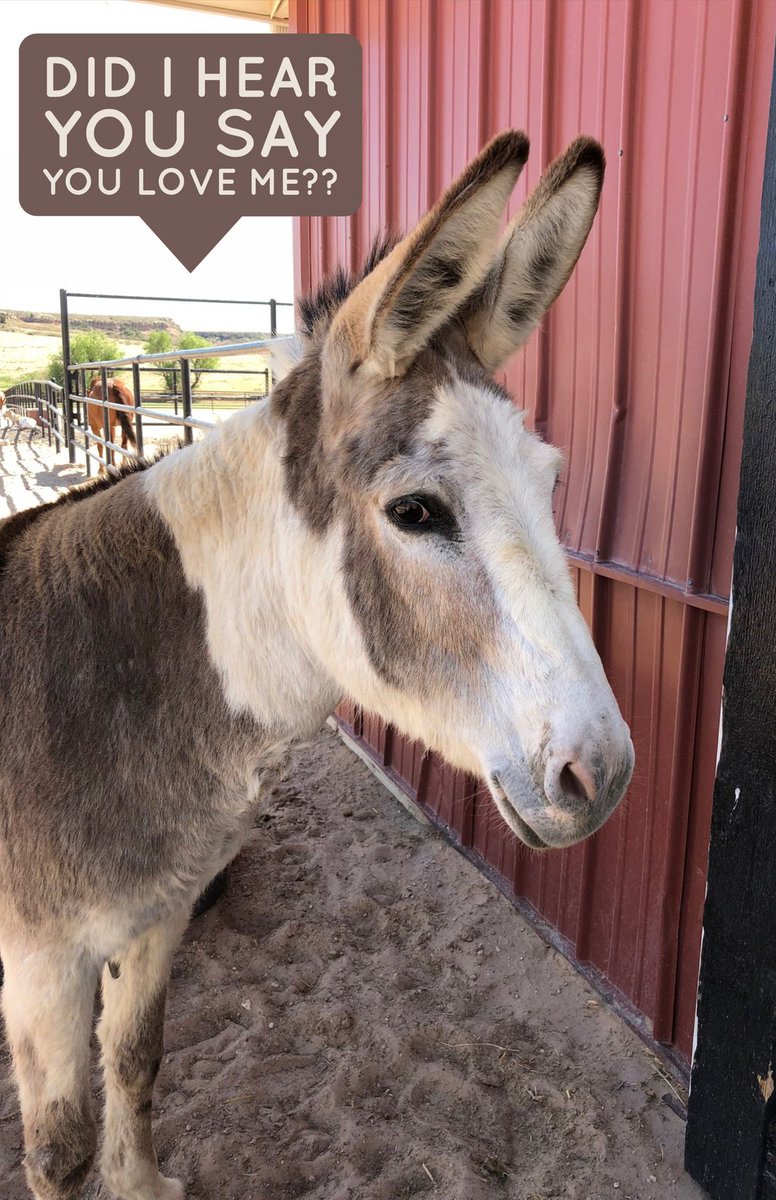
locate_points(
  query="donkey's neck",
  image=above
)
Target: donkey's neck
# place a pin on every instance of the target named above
(243, 545)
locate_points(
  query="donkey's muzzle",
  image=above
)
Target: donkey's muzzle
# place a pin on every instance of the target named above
(565, 800)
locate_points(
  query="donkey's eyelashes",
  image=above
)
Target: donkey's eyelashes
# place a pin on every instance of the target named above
(419, 513)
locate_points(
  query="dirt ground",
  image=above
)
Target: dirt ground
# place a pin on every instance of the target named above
(363, 1016)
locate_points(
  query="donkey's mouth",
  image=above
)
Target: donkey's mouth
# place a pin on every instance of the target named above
(512, 817)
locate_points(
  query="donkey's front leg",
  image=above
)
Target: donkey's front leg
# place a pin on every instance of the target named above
(48, 1000)
(134, 990)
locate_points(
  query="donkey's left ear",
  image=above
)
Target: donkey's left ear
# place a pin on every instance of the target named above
(537, 254)
(398, 307)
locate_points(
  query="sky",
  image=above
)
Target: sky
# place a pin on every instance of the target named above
(40, 255)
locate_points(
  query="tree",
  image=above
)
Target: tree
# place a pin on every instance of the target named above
(159, 342)
(192, 341)
(89, 346)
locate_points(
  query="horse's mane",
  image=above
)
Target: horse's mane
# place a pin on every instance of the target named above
(320, 305)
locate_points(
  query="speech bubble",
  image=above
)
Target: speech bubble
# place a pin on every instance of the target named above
(190, 132)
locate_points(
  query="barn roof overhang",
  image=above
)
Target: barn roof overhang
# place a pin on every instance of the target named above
(273, 11)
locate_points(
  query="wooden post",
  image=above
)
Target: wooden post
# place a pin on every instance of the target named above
(731, 1129)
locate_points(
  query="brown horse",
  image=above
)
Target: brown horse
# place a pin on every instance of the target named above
(118, 393)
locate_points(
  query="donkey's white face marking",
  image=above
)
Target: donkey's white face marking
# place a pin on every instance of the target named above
(487, 657)
(547, 734)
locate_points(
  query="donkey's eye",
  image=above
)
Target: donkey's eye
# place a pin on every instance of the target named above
(423, 514)
(409, 511)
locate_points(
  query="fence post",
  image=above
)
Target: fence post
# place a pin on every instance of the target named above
(64, 318)
(54, 414)
(39, 402)
(273, 318)
(188, 432)
(106, 413)
(138, 401)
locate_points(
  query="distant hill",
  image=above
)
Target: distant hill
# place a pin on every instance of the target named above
(218, 336)
(122, 329)
(136, 328)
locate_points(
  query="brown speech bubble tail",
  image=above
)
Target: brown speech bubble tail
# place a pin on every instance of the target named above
(189, 241)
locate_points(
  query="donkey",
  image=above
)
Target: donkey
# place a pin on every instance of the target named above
(380, 528)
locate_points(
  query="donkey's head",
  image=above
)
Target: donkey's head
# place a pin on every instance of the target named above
(449, 606)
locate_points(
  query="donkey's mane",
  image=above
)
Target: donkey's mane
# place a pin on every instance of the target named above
(320, 305)
(11, 528)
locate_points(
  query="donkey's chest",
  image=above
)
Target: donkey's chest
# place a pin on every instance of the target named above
(113, 851)
(221, 816)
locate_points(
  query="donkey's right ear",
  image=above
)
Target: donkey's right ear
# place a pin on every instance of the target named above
(398, 307)
(537, 254)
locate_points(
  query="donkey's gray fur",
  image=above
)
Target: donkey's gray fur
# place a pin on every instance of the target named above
(104, 667)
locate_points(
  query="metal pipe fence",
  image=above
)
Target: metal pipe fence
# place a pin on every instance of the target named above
(85, 424)
(76, 415)
(272, 304)
(45, 399)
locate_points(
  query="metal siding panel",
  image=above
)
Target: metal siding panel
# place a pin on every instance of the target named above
(638, 374)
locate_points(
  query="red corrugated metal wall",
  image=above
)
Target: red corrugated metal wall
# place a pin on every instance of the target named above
(638, 374)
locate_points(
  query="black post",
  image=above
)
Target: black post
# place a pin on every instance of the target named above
(273, 318)
(42, 404)
(57, 414)
(188, 432)
(106, 415)
(138, 396)
(64, 320)
(731, 1129)
(80, 411)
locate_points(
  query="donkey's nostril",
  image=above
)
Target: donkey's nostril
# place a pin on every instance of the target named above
(576, 782)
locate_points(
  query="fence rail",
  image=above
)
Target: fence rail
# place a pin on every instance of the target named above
(77, 405)
(85, 424)
(43, 397)
(170, 356)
